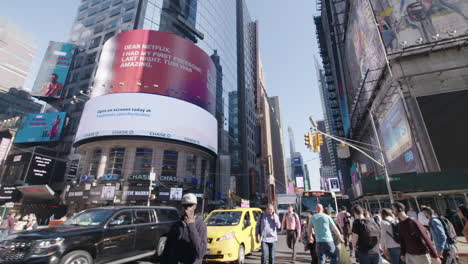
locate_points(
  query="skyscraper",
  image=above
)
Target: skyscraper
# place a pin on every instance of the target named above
(223, 30)
(279, 164)
(17, 51)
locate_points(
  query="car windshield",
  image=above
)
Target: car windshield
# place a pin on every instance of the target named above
(89, 218)
(224, 219)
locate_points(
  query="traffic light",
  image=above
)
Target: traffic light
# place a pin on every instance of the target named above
(316, 142)
(320, 139)
(308, 140)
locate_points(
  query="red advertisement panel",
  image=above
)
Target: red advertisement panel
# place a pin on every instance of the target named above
(146, 61)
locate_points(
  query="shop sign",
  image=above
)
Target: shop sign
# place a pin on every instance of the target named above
(216, 202)
(170, 179)
(139, 177)
(75, 194)
(85, 178)
(110, 177)
(137, 193)
(163, 193)
(6, 192)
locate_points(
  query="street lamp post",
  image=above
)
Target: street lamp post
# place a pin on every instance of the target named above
(380, 163)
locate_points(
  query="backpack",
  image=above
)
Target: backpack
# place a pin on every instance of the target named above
(370, 237)
(395, 235)
(449, 230)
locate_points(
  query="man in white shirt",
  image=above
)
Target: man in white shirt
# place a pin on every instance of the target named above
(412, 213)
(422, 218)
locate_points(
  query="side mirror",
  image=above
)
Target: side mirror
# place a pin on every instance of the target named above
(115, 222)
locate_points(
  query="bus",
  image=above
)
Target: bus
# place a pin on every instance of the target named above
(310, 199)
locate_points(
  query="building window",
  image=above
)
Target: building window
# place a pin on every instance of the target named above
(101, 17)
(127, 17)
(169, 164)
(93, 11)
(112, 24)
(83, 7)
(95, 2)
(94, 162)
(191, 165)
(98, 29)
(108, 36)
(105, 6)
(116, 2)
(94, 44)
(89, 22)
(130, 6)
(143, 161)
(115, 161)
(91, 58)
(115, 12)
(80, 16)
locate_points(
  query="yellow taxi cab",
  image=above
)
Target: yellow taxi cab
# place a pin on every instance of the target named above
(232, 234)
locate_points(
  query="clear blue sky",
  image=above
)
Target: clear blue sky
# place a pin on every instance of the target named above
(287, 47)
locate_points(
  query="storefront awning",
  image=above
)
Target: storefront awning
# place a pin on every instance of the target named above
(36, 192)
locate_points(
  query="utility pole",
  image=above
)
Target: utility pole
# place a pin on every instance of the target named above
(387, 178)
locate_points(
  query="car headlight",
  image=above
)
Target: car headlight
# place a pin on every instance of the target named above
(47, 243)
(226, 236)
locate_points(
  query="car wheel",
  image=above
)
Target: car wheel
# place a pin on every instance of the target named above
(77, 257)
(241, 259)
(160, 248)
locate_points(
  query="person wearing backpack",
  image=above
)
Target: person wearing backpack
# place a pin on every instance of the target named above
(366, 237)
(389, 236)
(443, 235)
(292, 225)
(416, 246)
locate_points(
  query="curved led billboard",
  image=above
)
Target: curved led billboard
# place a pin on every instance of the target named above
(146, 61)
(138, 114)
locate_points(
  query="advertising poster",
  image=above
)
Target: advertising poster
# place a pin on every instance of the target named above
(400, 152)
(4, 145)
(137, 114)
(334, 184)
(175, 194)
(42, 127)
(417, 21)
(146, 61)
(54, 69)
(41, 169)
(363, 48)
(300, 182)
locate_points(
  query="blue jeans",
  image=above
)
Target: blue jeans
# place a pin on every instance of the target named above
(268, 252)
(327, 249)
(395, 256)
(373, 258)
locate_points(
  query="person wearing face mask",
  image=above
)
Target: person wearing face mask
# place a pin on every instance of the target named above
(186, 241)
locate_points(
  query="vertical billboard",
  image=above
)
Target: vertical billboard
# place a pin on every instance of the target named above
(400, 151)
(364, 51)
(146, 61)
(334, 185)
(418, 21)
(41, 127)
(54, 70)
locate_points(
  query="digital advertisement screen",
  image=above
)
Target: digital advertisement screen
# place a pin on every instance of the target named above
(137, 114)
(146, 61)
(54, 69)
(42, 127)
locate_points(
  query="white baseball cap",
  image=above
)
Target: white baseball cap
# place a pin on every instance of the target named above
(189, 198)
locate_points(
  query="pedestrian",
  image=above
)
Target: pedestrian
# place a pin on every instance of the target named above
(423, 219)
(344, 221)
(388, 239)
(308, 245)
(322, 226)
(186, 241)
(443, 241)
(366, 237)
(292, 225)
(32, 222)
(463, 214)
(7, 225)
(267, 230)
(412, 213)
(416, 246)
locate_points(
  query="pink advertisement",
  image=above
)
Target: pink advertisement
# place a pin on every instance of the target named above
(146, 61)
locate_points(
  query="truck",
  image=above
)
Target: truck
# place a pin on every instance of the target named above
(283, 201)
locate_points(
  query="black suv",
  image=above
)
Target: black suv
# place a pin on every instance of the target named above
(99, 235)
